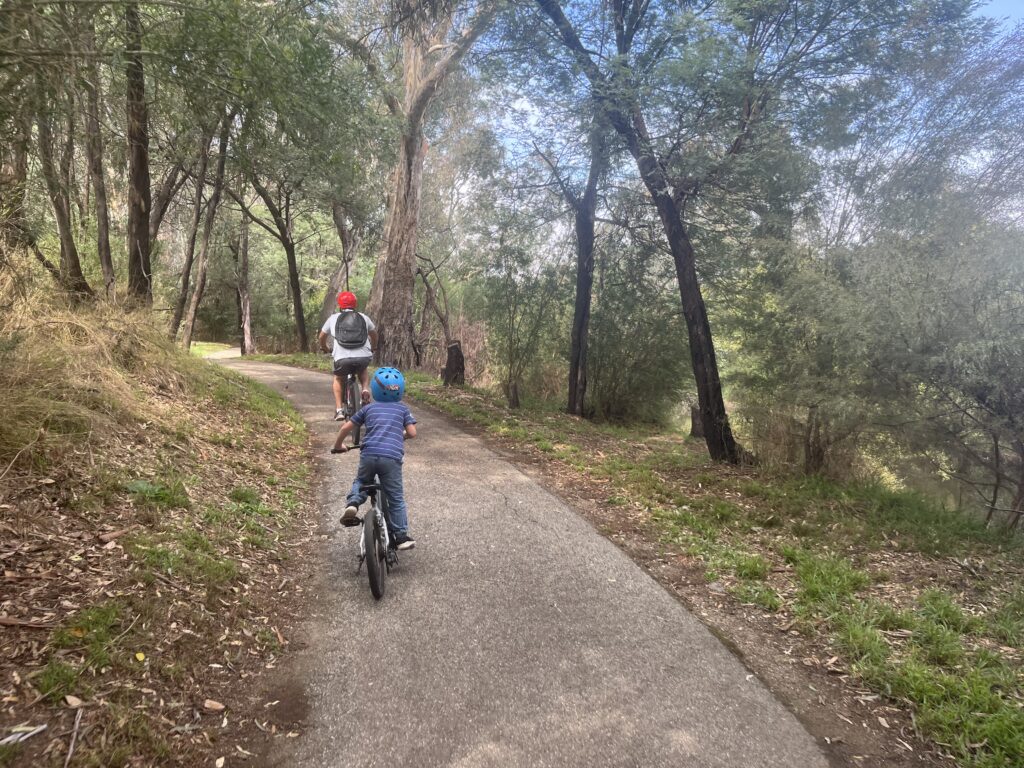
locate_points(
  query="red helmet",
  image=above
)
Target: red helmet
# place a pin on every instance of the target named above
(347, 300)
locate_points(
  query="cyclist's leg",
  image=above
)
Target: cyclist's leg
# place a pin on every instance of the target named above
(390, 473)
(364, 476)
(364, 381)
(339, 377)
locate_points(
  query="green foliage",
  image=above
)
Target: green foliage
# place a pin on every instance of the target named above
(57, 679)
(93, 630)
(159, 495)
(638, 359)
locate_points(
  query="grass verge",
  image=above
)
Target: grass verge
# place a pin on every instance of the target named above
(144, 526)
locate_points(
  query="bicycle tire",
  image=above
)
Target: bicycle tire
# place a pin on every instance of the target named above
(376, 567)
(355, 399)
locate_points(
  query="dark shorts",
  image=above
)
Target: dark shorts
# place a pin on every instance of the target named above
(348, 365)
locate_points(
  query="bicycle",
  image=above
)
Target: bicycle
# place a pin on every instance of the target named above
(374, 542)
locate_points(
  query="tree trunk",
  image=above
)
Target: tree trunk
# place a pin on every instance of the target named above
(140, 286)
(211, 216)
(71, 276)
(696, 425)
(282, 220)
(173, 180)
(997, 468)
(14, 230)
(94, 153)
(512, 393)
(248, 347)
(454, 371)
(339, 280)
(455, 365)
(393, 293)
(190, 244)
(586, 212)
(626, 116)
(296, 292)
(392, 296)
(717, 432)
(814, 445)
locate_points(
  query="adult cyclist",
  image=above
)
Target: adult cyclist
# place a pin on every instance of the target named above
(355, 338)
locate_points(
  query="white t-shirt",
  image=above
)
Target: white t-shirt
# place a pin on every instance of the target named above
(343, 353)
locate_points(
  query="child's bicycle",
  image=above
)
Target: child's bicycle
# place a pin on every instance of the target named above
(374, 543)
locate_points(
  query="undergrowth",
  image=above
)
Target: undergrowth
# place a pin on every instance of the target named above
(194, 472)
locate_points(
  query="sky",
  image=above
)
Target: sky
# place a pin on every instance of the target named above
(1014, 9)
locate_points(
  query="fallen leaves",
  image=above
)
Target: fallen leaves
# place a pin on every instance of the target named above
(211, 705)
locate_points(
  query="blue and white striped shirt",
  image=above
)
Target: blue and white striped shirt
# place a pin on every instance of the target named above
(384, 429)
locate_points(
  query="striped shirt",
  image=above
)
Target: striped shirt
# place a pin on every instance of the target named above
(384, 425)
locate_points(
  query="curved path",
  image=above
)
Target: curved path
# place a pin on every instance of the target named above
(513, 635)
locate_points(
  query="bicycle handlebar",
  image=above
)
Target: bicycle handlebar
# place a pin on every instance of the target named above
(350, 448)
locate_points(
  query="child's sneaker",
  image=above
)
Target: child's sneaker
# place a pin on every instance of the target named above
(350, 517)
(404, 541)
(339, 414)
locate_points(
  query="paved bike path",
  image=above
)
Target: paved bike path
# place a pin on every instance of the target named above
(513, 635)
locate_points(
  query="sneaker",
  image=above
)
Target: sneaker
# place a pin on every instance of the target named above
(351, 516)
(339, 415)
(404, 541)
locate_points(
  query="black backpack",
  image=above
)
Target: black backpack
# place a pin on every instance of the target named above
(350, 330)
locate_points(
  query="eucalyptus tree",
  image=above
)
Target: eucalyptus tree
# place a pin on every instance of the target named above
(698, 91)
(432, 38)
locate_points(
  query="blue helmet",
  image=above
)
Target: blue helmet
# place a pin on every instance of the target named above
(388, 385)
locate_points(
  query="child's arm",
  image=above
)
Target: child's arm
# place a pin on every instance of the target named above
(346, 428)
(410, 431)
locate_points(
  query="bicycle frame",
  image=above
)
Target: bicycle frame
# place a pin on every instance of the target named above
(379, 519)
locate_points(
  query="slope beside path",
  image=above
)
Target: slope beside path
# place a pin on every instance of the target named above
(513, 635)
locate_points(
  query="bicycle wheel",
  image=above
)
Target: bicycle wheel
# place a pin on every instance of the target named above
(376, 568)
(355, 403)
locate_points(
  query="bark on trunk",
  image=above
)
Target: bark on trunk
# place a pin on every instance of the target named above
(94, 152)
(455, 365)
(586, 213)
(71, 276)
(393, 292)
(190, 244)
(696, 425)
(392, 296)
(140, 287)
(211, 216)
(997, 485)
(244, 301)
(173, 181)
(512, 394)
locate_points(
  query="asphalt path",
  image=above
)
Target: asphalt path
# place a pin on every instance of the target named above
(513, 635)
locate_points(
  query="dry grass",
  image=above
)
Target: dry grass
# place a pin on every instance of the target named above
(144, 531)
(76, 377)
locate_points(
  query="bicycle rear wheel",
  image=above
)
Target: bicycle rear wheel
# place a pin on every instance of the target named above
(355, 399)
(373, 541)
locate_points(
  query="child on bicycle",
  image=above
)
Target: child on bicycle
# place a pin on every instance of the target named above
(387, 423)
(354, 339)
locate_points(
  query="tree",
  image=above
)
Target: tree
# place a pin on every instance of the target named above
(211, 216)
(431, 49)
(696, 97)
(140, 271)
